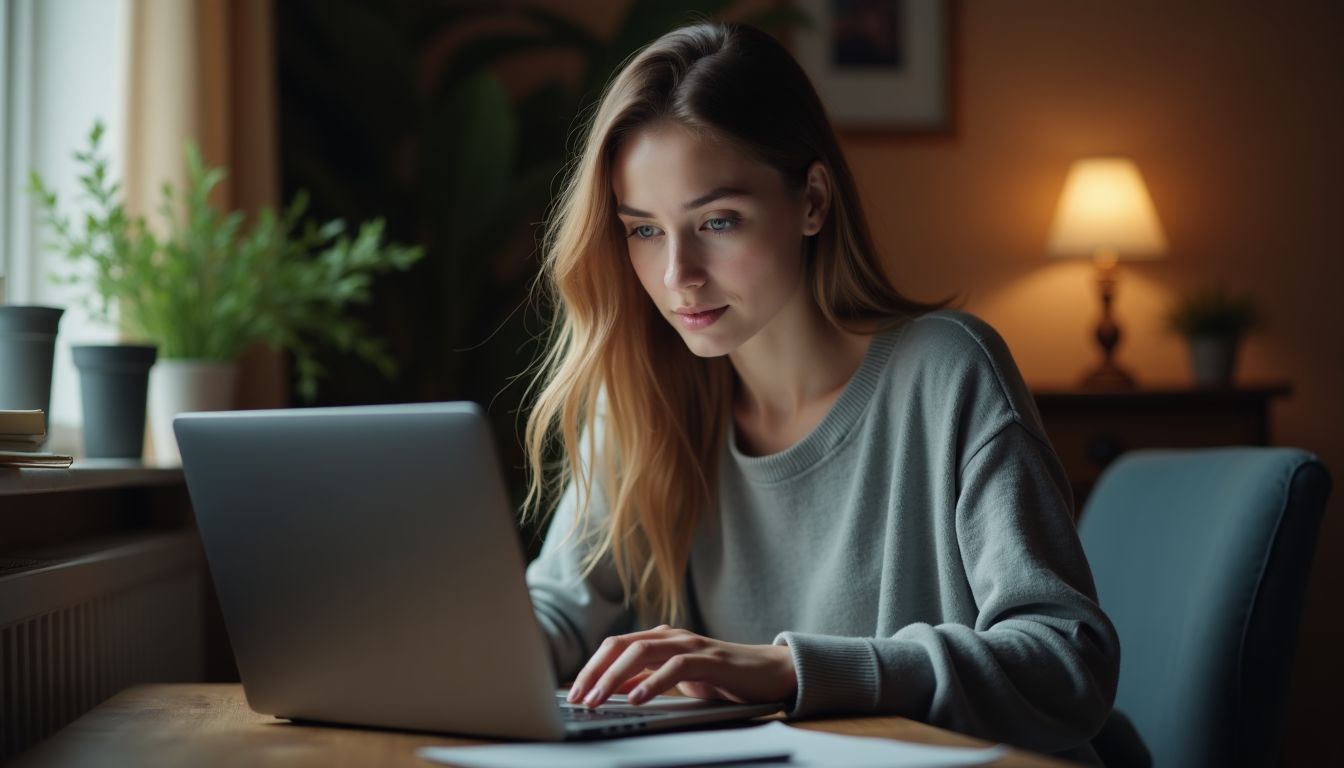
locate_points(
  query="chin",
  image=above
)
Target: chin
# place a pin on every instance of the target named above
(702, 345)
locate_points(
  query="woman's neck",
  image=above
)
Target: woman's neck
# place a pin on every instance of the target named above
(793, 370)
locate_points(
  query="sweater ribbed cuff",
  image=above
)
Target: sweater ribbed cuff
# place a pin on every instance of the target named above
(835, 674)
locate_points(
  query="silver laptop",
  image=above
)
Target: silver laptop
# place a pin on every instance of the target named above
(370, 573)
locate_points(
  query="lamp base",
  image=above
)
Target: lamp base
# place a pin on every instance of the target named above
(1107, 376)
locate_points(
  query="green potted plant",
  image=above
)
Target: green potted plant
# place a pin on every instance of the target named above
(214, 284)
(1213, 322)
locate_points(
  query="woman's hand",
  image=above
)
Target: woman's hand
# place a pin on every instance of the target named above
(662, 658)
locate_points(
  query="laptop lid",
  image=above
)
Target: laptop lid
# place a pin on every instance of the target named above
(369, 572)
(368, 569)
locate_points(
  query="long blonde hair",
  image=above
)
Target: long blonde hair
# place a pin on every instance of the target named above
(665, 410)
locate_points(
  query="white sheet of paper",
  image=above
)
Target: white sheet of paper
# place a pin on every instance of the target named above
(804, 749)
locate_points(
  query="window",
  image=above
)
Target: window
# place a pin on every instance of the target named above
(6, 115)
(63, 64)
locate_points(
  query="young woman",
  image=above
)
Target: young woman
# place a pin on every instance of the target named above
(783, 480)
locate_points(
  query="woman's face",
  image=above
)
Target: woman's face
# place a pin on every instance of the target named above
(711, 228)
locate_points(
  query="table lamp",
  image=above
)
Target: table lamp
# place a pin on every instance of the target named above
(1105, 214)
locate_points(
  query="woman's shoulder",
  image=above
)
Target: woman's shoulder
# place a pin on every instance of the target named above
(952, 338)
(957, 356)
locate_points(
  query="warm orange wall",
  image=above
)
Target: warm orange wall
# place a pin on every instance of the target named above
(1234, 112)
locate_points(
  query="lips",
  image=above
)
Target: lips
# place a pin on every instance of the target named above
(698, 309)
(695, 321)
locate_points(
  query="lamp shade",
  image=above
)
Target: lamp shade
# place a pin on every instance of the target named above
(1105, 208)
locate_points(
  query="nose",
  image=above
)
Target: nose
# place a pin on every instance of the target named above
(685, 268)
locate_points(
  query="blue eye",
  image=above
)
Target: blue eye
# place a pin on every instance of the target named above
(728, 224)
(638, 231)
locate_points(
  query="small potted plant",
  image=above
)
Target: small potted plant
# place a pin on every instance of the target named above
(214, 284)
(1213, 322)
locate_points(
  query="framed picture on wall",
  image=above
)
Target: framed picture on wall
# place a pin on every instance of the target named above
(880, 65)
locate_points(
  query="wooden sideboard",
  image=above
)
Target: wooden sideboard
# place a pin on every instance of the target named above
(1090, 429)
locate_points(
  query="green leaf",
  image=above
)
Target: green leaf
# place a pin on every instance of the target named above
(1214, 311)
(469, 141)
(477, 53)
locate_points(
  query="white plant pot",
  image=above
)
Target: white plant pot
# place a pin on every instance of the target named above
(182, 386)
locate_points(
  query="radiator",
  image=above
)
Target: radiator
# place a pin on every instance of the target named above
(81, 623)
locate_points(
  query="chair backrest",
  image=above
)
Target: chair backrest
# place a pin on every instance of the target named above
(1201, 559)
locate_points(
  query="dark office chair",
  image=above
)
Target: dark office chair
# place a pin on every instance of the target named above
(1201, 558)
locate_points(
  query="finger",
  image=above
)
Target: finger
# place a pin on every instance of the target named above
(610, 649)
(632, 682)
(686, 667)
(638, 655)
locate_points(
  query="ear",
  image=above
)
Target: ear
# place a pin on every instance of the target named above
(817, 194)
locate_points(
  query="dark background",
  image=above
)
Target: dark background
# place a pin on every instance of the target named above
(395, 110)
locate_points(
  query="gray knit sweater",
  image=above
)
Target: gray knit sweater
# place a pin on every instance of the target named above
(916, 552)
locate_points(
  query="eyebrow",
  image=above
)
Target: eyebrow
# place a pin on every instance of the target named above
(705, 199)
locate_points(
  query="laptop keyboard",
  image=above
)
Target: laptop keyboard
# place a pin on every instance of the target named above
(585, 715)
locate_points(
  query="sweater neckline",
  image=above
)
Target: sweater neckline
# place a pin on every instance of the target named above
(833, 428)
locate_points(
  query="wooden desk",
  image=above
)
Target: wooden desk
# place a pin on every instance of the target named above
(203, 725)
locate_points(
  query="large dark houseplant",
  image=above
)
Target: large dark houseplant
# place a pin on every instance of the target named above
(395, 110)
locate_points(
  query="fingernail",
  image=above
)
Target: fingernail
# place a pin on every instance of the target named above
(593, 697)
(573, 695)
(638, 695)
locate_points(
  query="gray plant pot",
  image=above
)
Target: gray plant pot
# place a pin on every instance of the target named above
(1213, 360)
(114, 383)
(27, 349)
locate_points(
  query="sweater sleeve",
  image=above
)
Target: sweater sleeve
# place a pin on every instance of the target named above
(1040, 666)
(576, 611)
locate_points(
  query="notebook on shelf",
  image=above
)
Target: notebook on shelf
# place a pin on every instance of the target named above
(20, 459)
(22, 430)
(22, 433)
